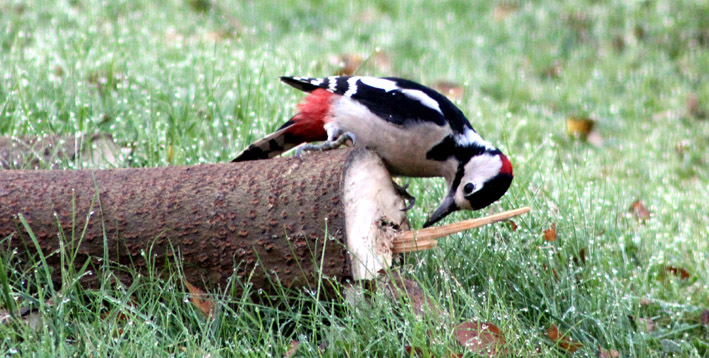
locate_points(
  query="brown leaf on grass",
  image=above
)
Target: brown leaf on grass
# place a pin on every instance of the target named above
(554, 71)
(292, 349)
(200, 300)
(639, 210)
(504, 10)
(579, 127)
(705, 318)
(480, 338)
(647, 324)
(451, 90)
(513, 226)
(693, 107)
(678, 271)
(398, 287)
(602, 353)
(550, 234)
(348, 64)
(580, 259)
(618, 43)
(381, 61)
(562, 341)
(553, 271)
(416, 351)
(645, 302)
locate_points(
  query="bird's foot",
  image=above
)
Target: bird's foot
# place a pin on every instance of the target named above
(401, 190)
(327, 145)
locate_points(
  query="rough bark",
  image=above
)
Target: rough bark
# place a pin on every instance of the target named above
(258, 220)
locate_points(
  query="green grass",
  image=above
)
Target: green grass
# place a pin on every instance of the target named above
(188, 82)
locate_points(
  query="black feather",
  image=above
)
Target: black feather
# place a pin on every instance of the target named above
(394, 106)
(299, 83)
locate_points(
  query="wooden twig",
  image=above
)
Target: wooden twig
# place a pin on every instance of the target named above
(428, 238)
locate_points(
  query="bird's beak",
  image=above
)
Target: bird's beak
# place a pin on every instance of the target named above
(447, 206)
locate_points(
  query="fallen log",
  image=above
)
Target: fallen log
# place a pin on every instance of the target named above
(333, 215)
(328, 215)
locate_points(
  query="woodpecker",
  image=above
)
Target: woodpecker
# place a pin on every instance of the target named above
(417, 131)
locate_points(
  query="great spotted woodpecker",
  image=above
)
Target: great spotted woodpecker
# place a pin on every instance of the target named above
(417, 131)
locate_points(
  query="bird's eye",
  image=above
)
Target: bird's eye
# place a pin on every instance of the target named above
(468, 189)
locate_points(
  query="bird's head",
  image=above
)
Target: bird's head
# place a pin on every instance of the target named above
(479, 181)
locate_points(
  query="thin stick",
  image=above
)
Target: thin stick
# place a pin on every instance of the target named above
(427, 238)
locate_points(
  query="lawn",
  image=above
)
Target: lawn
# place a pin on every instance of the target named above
(194, 81)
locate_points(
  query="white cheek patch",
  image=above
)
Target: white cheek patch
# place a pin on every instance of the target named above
(382, 84)
(481, 169)
(423, 98)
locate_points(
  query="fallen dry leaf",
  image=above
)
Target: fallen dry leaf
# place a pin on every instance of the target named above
(416, 351)
(347, 64)
(580, 259)
(639, 210)
(513, 226)
(292, 349)
(693, 107)
(398, 287)
(451, 90)
(563, 342)
(381, 61)
(579, 127)
(602, 353)
(554, 71)
(503, 10)
(553, 271)
(647, 323)
(480, 337)
(645, 301)
(200, 300)
(705, 317)
(678, 271)
(550, 234)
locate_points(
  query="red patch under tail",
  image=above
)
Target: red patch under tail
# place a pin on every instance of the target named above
(309, 124)
(306, 126)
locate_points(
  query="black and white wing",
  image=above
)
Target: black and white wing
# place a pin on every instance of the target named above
(399, 101)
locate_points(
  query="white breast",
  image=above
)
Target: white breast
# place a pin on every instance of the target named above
(402, 148)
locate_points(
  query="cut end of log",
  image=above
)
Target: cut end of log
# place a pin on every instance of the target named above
(373, 212)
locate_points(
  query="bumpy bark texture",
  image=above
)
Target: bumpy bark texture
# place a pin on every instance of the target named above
(267, 218)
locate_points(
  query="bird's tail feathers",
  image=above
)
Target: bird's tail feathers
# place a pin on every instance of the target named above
(268, 147)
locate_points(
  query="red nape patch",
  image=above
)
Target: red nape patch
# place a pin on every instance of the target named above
(506, 165)
(308, 124)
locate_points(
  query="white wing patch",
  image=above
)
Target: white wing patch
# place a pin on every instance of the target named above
(332, 84)
(352, 86)
(423, 98)
(386, 85)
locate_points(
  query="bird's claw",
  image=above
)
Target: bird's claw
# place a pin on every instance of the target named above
(327, 145)
(401, 190)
